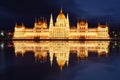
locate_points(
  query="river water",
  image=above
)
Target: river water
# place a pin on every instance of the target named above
(60, 60)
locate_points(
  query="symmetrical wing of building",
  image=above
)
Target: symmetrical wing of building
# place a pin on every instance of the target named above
(60, 30)
(61, 50)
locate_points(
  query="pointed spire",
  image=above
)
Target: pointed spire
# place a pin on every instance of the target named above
(78, 23)
(98, 23)
(22, 24)
(51, 58)
(67, 16)
(22, 54)
(61, 10)
(61, 68)
(51, 21)
(43, 19)
(67, 63)
(51, 18)
(68, 20)
(51, 62)
(16, 24)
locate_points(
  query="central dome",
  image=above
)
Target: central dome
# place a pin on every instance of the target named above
(61, 15)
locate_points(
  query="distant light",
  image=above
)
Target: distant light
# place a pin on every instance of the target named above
(2, 45)
(115, 43)
(9, 33)
(2, 33)
(113, 46)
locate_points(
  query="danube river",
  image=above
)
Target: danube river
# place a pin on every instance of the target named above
(60, 60)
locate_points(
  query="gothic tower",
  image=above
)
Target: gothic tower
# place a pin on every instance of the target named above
(51, 22)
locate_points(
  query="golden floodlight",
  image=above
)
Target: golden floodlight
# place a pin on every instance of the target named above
(60, 30)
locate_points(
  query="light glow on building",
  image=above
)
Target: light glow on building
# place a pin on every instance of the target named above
(60, 30)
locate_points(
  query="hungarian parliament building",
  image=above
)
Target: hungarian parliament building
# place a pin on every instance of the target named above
(60, 30)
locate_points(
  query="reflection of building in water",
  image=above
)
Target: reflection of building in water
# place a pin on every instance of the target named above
(61, 50)
(60, 30)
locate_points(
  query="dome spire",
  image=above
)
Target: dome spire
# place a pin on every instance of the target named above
(61, 10)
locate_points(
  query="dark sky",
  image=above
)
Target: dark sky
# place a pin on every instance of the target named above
(12, 11)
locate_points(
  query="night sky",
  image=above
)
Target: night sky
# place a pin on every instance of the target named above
(94, 11)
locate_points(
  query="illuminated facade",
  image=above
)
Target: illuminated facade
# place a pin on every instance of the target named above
(60, 30)
(61, 50)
